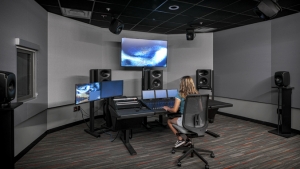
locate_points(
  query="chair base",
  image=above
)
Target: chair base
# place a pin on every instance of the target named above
(191, 150)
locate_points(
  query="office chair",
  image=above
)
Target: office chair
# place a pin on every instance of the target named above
(195, 123)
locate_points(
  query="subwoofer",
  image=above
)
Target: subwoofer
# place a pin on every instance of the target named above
(116, 26)
(7, 87)
(267, 9)
(99, 75)
(155, 79)
(203, 79)
(282, 78)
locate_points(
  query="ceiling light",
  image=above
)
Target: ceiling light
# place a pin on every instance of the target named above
(75, 13)
(173, 7)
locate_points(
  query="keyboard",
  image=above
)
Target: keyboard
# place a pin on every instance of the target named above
(157, 104)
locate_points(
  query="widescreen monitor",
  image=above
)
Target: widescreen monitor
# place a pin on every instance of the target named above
(111, 88)
(143, 53)
(172, 93)
(148, 94)
(87, 92)
(160, 94)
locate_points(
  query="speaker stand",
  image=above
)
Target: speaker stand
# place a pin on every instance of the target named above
(284, 113)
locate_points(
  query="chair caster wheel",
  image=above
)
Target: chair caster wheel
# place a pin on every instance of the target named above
(179, 164)
(173, 151)
(206, 166)
(212, 155)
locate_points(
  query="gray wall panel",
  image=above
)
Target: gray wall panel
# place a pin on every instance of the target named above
(28, 21)
(242, 62)
(286, 53)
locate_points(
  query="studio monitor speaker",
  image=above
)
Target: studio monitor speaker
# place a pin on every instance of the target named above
(203, 79)
(155, 79)
(267, 9)
(99, 75)
(116, 26)
(7, 87)
(282, 78)
(190, 34)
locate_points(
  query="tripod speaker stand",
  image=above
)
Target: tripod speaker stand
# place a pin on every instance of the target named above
(284, 113)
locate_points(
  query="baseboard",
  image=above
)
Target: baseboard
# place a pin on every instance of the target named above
(254, 121)
(30, 146)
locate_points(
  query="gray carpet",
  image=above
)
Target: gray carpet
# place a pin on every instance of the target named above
(242, 145)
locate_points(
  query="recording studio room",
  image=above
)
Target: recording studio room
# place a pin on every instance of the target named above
(150, 84)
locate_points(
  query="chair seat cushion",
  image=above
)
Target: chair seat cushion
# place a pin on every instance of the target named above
(182, 130)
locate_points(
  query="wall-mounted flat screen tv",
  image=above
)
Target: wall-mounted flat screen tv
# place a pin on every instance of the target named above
(144, 53)
(87, 92)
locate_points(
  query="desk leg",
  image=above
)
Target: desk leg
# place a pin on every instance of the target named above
(125, 141)
(145, 123)
(211, 115)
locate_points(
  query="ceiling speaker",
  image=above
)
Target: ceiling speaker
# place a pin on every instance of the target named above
(116, 26)
(267, 9)
(190, 34)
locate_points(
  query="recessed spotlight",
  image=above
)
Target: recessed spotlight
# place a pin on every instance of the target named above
(173, 7)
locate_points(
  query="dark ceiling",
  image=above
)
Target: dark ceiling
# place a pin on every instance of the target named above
(155, 16)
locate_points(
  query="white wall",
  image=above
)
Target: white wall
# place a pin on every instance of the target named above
(188, 56)
(28, 21)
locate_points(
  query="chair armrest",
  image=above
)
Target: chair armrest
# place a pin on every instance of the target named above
(173, 115)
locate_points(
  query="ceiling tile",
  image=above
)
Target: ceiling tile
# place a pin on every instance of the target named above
(237, 18)
(102, 24)
(117, 2)
(113, 9)
(219, 15)
(136, 12)
(101, 16)
(151, 5)
(200, 23)
(218, 25)
(198, 11)
(130, 20)
(52, 9)
(297, 8)
(178, 31)
(128, 26)
(182, 7)
(190, 1)
(159, 30)
(171, 25)
(182, 19)
(284, 12)
(81, 5)
(141, 28)
(250, 21)
(81, 20)
(288, 3)
(241, 6)
(216, 3)
(162, 16)
(150, 22)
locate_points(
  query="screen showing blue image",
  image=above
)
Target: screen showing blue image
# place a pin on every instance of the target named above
(172, 92)
(160, 94)
(148, 94)
(111, 88)
(143, 53)
(87, 92)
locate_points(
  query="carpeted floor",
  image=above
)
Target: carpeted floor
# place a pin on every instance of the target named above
(242, 144)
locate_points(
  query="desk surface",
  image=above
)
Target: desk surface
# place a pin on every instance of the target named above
(132, 113)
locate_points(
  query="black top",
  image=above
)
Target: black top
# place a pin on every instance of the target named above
(11, 106)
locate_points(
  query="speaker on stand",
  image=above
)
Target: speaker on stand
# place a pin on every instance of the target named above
(99, 75)
(282, 81)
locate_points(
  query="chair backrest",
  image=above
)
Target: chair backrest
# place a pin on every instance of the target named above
(195, 114)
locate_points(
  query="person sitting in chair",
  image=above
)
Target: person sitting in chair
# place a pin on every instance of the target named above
(187, 87)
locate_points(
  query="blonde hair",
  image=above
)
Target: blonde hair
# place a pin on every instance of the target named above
(187, 87)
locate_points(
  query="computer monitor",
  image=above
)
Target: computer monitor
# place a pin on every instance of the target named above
(148, 94)
(160, 94)
(87, 92)
(172, 93)
(111, 88)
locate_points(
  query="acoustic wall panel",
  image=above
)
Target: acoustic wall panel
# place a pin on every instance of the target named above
(242, 63)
